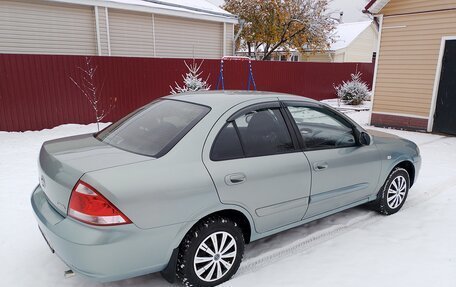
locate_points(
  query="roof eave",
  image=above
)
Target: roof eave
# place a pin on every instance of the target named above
(375, 6)
(154, 10)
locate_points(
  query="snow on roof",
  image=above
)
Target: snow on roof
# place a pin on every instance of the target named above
(189, 5)
(198, 9)
(346, 33)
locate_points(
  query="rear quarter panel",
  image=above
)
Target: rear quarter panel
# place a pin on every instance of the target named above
(169, 190)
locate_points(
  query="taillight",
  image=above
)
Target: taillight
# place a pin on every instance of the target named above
(88, 206)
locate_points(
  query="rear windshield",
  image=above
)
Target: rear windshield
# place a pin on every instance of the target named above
(154, 129)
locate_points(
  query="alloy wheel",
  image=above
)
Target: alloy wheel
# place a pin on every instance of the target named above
(215, 256)
(396, 192)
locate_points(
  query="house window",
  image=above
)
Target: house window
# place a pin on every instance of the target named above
(283, 58)
(295, 58)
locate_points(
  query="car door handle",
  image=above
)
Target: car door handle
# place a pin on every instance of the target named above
(236, 178)
(318, 166)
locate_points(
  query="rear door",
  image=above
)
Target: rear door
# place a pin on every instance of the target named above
(343, 172)
(256, 163)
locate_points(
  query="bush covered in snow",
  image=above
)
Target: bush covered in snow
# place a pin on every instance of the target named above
(353, 92)
(192, 80)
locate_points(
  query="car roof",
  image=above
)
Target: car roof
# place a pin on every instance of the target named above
(221, 99)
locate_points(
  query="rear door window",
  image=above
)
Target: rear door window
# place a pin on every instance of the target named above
(227, 144)
(154, 129)
(256, 133)
(264, 132)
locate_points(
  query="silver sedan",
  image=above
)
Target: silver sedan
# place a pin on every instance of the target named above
(182, 184)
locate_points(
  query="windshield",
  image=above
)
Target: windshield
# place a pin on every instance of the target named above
(154, 129)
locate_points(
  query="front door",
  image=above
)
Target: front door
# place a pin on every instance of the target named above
(343, 172)
(256, 163)
(445, 108)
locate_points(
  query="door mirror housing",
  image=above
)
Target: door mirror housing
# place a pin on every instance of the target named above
(365, 138)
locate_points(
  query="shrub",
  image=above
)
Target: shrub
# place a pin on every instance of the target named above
(192, 80)
(353, 92)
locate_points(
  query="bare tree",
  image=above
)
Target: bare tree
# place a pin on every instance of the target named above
(89, 89)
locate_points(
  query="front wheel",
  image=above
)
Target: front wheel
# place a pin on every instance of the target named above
(394, 192)
(210, 253)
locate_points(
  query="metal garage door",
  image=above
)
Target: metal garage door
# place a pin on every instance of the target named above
(445, 109)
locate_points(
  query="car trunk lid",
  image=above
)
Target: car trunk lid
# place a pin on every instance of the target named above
(62, 162)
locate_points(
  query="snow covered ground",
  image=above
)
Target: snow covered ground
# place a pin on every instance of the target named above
(358, 247)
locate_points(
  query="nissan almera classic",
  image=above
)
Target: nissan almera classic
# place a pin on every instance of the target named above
(182, 184)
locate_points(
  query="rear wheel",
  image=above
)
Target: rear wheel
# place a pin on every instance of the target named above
(210, 253)
(393, 193)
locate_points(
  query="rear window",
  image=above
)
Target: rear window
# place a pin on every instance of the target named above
(154, 129)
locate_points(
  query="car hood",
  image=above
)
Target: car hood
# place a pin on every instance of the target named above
(383, 140)
(62, 162)
(382, 137)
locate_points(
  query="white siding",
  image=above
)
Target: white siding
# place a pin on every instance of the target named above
(229, 39)
(46, 28)
(131, 33)
(184, 38)
(363, 47)
(318, 57)
(340, 57)
(103, 28)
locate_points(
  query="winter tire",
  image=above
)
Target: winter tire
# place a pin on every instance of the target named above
(210, 253)
(394, 192)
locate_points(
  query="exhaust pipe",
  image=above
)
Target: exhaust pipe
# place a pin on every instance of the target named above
(68, 274)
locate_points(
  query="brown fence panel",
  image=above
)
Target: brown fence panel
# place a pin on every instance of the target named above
(36, 91)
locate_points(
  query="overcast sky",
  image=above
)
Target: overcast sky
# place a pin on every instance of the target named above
(352, 9)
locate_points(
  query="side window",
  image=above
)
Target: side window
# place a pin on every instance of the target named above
(227, 144)
(319, 129)
(264, 132)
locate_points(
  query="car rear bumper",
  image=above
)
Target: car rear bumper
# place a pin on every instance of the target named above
(104, 253)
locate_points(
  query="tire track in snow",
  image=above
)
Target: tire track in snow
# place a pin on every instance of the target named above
(319, 237)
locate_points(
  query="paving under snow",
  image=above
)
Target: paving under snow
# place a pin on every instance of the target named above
(358, 247)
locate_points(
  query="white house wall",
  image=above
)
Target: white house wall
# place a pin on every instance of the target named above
(184, 38)
(57, 28)
(131, 33)
(363, 47)
(32, 28)
(229, 35)
(103, 31)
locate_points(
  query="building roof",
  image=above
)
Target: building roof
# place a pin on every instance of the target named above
(346, 33)
(196, 9)
(374, 6)
(353, 10)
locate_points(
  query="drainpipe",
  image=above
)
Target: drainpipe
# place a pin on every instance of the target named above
(241, 27)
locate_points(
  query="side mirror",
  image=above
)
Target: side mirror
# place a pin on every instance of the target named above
(364, 138)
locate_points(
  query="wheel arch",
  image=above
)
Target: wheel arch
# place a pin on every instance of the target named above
(234, 212)
(409, 167)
